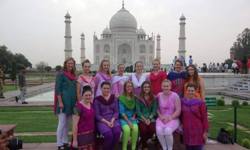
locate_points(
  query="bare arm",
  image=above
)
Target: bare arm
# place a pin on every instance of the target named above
(202, 85)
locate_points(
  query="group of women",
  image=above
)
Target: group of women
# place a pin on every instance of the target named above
(134, 107)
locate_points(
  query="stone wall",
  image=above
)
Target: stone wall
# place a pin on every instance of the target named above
(221, 80)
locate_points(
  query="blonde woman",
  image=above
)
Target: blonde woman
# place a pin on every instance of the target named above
(102, 75)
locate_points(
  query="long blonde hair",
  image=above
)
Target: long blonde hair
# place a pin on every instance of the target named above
(101, 68)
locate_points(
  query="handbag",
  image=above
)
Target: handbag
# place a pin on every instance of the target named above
(224, 137)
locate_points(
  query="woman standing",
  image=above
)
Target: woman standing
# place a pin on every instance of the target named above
(84, 121)
(85, 78)
(138, 78)
(198, 81)
(107, 117)
(65, 92)
(168, 112)
(146, 108)
(118, 81)
(127, 108)
(194, 120)
(177, 78)
(102, 75)
(156, 77)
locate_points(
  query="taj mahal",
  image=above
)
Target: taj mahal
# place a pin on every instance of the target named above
(123, 42)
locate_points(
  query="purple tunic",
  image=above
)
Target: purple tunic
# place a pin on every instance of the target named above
(99, 78)
(107, 110)
(117, 85)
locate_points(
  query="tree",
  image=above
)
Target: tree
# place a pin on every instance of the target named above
(48, 68)
(58, 68)
(41, 66)
(12, 62)
(241, 48)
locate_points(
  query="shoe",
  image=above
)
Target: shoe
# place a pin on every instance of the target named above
(16, 99)
(66, 146)
(61, 148)
(2, 96)
(24, 102)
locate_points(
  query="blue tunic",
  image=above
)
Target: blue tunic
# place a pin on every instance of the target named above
(67, 89)
(130, 113)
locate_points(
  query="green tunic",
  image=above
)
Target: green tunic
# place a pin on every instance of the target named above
(148, 111)
(67, 89)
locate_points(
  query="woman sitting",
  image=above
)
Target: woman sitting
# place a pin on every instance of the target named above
(107, 114)
(146, 107)
(169, 109)
(127, 106)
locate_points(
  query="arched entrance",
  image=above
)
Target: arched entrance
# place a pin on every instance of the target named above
(124, 54)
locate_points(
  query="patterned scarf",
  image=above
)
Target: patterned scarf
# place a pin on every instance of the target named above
(129, 103)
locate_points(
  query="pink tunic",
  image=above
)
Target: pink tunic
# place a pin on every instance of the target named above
(85, 80)
(166, 106)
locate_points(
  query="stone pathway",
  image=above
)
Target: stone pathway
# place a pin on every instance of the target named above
(213, 146)
(9, 99)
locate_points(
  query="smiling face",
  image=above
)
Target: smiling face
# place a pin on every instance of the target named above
(191, 70)
(70, 65)
(166, 86)
(105, 90)
(86, 67)
(156, 65)
(139, 67)
(105, 66)
(146, 88)
(87, 96)
(129, 88)
(177, 66)
(190, 92)
(121, 69)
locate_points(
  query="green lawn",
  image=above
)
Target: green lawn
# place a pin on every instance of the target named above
(42, 119)
(222, 115)
(29, 119)
(9, 88)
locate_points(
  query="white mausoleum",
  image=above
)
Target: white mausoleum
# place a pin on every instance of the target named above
(122, 42)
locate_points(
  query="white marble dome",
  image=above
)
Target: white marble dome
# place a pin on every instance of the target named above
(141, 31)
(106, 31)
(123, 20)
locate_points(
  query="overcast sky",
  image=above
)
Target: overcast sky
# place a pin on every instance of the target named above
(36, 28)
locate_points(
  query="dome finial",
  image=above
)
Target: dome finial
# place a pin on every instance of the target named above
(122, 3)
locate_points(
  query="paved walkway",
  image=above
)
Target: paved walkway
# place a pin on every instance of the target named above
(52, 146)
(9, 99)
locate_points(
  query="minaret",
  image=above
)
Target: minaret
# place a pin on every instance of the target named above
(182, 39)
(158, 47)
(68, 46)
(82, 47)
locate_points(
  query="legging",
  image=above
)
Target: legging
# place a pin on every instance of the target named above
(127, 133)
(165, 136)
